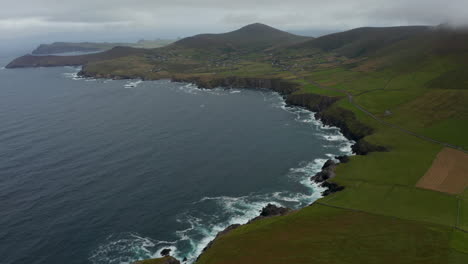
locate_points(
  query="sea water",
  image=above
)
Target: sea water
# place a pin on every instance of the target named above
(106, 171)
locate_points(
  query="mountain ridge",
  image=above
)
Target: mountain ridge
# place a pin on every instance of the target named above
(256, 35)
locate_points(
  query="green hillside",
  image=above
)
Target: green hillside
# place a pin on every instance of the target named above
(251, 37)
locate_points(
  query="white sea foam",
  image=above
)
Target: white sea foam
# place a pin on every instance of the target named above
(132, 84)
(190, 88)
(130, 248)
(73, 75)
(2, 68)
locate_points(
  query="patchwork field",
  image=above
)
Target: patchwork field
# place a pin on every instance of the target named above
(448, 173)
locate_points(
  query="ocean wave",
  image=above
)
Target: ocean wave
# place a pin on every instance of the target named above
(132, 84)
(74, 75)
(127, 248)
(190, 88)
(211, 215)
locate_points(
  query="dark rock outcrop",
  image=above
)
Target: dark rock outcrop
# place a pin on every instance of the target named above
(327, 172)
(273, 210)
(362, 147)
(331, 188)
(166, 252)
(342, 159)
(313, 102)
(165, 260)
(275, 84)
(345, 120)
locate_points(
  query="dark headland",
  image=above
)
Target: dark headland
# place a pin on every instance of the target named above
(400, 92)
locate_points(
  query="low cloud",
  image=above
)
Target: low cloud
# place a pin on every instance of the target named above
(23, 18)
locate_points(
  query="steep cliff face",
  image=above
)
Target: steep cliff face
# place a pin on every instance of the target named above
(346, 121)
(277, 85)
(313, 102)
(322, 105)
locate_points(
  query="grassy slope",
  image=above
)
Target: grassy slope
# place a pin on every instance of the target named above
(422, 222)
(322, 234)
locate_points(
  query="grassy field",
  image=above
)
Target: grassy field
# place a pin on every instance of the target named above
(381, 217)
(322, 234)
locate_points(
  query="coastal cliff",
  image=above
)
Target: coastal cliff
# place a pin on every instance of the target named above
(323, 106)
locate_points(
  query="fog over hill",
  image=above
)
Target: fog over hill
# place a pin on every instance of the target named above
(126, 21)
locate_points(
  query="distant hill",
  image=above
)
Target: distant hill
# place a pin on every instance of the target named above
(363, 41)
(253, 37)
(69, 47)
(54, 60)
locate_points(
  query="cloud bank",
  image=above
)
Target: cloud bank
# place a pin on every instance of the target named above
(157, 18)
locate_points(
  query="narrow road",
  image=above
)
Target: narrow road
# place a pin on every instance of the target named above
(404, 130)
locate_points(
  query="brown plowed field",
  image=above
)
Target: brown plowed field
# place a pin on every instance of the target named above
(448, 173)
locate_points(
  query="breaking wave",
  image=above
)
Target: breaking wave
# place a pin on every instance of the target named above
(73, 75)
(132, 84)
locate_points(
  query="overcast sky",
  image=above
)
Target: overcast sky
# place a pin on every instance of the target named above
(109, 20)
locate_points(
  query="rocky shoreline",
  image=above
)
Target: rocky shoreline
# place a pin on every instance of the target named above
(321, 105)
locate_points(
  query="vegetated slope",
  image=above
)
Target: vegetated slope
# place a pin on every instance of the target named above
(249, 39)
(415, 83)
(362, 41)
(321, 234)
(252, 37)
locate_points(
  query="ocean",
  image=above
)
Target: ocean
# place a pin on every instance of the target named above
(107, 172)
